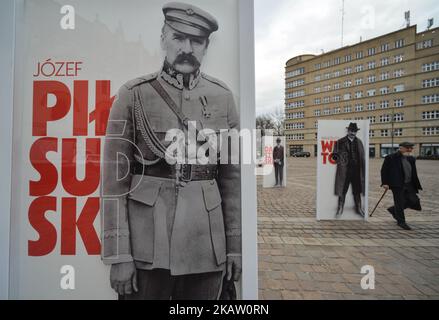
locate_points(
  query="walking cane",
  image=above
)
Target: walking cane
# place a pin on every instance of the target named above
(381, 199)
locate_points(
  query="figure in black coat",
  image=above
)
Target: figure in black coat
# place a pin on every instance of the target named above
(400, 175)
(351, 168)
(278, 159)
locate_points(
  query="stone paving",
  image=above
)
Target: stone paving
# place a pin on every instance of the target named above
(301, 258)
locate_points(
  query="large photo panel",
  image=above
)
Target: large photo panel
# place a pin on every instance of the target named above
(342, 170)
(94, 79)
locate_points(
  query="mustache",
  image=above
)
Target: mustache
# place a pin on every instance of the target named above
(187, 58)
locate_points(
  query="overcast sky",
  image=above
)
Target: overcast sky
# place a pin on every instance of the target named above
(287, 28)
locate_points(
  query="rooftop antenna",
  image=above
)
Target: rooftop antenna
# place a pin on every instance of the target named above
(407, 18)
(342, 23)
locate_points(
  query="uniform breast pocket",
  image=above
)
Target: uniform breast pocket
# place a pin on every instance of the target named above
(141, 206)
(212, 201)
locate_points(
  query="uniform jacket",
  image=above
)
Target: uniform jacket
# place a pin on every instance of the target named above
(392, 172)
(278, 153)
(151, 221)
(340, 155)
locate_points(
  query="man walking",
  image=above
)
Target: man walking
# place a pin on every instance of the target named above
(400, 175)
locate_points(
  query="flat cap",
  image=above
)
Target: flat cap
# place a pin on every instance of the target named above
(189, 19)
(407, 145)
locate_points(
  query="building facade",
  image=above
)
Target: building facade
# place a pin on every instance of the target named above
(391, 80)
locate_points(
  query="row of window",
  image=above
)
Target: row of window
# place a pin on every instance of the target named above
(295, 73)
(429, 83)
(296, 104)
(430, 131)
(295, 115)
(359, 68)
(295, 126)
(359, 54)
(433, 98)
(424, 44)
(296, 94)
(295, 83)
(430, 115)
(432, 66)
(296, 136)
(387, 133)
(359, 94)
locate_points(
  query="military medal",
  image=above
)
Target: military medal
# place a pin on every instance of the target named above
(206, 112)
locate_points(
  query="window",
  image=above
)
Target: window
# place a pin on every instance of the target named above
(337, 60)
(359, 107)
(317, 77)
(348, 70)
(434, 98)
(337, 74)
(296, 104)
(371, 51)
(398, 88)
(397, 133)
(337, 86)
(399, 43)
(347, 109)
(297, 115)
(371, 106)
(371, 65)
(371, 133)
(359, 55)
(326, 112)
(384, 61)
(384, 76)
(359, 68)
(372, 119)
(430, 131)
(316, 124)
(327, 76)
(327, 88)
(398, 73)
(358, 118)
(430, 66)
(385, 47)
(317, 101)
(424, 44)
(295, 73)
(398, 103)
(384, 133)
(430, 83)
(326, 99)
(359, 81)
(371, 92)
(317, 113)
(317, 90)
(348, 58)
(384, 90)
(358, 94)
(296, 94)
(371, 79)
(398, 58)
(347, 96)
(347, 83)
(384, 104)
(295, 83)
(385, 118)
(295, 126)
(326, 64)
(337, 98)
(317, 66)
(398, 117)
(296, 136)
(430, 115)
(337, 110)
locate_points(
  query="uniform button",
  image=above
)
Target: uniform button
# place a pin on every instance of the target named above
(183, 184)
(186, 96)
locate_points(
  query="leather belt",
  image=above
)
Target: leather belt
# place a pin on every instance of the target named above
(186, 172)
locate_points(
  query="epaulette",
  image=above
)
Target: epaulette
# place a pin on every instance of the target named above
(138, 81)
(214, 80)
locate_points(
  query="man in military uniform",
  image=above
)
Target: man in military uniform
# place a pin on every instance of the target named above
(171, 231)
(278, 159)
(349, 155)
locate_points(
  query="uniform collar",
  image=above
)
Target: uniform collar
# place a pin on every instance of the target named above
(180, 80)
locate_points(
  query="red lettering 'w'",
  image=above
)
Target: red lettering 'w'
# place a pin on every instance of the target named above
(327, 146)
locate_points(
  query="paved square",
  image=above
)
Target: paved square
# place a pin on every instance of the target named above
(301, 258)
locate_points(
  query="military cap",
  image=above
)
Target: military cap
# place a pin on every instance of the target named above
(189, 19)
(407, 145)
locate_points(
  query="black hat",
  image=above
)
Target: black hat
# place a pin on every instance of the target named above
(353, 127)
(407, 145)
(278, 140)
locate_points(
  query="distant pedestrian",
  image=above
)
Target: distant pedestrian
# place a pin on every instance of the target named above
(400, 175)
(278, 159)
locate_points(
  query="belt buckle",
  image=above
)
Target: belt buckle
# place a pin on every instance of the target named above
(185, 177)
